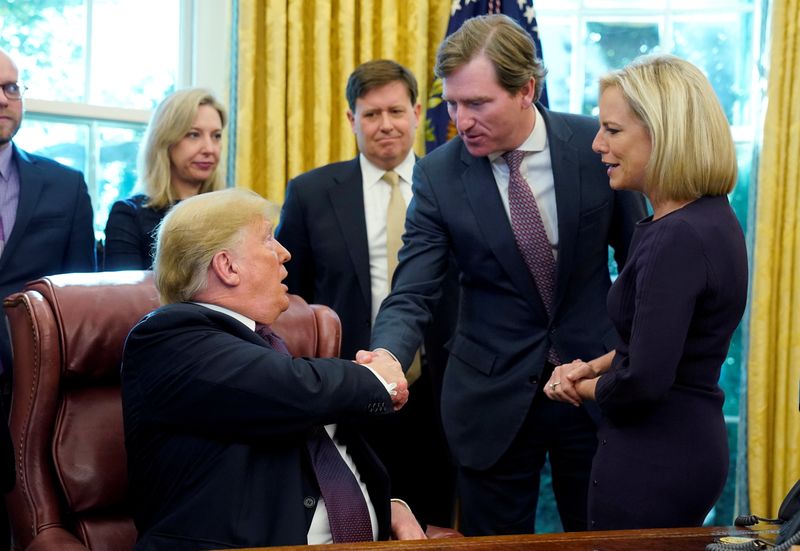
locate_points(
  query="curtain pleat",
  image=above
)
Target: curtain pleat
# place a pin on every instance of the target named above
(294, 58)
(774, 356)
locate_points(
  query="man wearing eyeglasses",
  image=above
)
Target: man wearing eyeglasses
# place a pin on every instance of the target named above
(45, 228)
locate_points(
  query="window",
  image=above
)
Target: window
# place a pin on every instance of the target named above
(583, 39)
(96, 68)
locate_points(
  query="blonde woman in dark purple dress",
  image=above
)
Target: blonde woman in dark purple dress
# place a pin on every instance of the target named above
(662, 456)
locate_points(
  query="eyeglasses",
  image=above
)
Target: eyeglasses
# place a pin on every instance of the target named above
(13, 90)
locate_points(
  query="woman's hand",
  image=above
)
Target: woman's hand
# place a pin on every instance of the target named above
(575, 382)
(562, 385)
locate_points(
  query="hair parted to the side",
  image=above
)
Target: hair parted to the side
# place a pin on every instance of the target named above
(170, 121)
(693, 150)
(196, 229)
(376, 73)
(504, 42)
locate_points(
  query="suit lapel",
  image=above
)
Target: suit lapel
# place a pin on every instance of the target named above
(347, 199)
(566, 176)
(30, 188)
(487, 206)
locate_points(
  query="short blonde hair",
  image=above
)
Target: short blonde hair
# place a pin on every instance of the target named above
(194, 231)
(170, 121)
(693, 151)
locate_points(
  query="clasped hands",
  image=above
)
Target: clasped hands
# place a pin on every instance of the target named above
(572, 383)
(387, 366)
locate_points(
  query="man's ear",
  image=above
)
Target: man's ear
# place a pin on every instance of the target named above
(351, 118)
(527, 92)
(225, 268)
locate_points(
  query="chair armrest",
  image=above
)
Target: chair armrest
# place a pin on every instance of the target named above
(438, 532)
(55, 539)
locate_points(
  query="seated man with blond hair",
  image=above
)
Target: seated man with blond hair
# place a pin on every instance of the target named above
(231, 442)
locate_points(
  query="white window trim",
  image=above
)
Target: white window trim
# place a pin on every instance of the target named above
(201, 63)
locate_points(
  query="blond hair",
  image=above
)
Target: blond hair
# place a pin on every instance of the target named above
(171, 120)
(693, 150)
(194, 231)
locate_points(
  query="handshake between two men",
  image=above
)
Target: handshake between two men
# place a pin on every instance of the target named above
(384, 364)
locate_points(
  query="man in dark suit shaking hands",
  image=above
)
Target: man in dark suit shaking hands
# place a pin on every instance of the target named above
(231, 442)
(342, 223)
(521, 201)
(45, 228)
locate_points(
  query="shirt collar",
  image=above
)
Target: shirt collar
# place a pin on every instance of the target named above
(536, 140)
(235, 315)
(373, 174)
(5, 161)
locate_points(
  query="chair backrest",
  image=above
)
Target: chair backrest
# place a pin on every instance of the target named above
(67, 333)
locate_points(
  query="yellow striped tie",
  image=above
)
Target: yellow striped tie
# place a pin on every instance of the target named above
(395, 222)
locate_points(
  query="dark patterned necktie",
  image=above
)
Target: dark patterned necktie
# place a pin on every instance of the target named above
(266, 333)
(348, 515)
(531, 237)
(347, 509)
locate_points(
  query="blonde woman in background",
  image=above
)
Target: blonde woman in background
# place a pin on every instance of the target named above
(180, 159)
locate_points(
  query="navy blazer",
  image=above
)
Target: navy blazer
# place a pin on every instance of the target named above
(53, 232)
(323, 227)
(498, 352)
(215, 430)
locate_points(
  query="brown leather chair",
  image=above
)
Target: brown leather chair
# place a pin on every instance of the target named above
(67, 333)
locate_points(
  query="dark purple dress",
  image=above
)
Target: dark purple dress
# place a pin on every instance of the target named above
(662, 455)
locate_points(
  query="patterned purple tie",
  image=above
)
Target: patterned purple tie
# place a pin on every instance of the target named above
(347, 510)
(531, 237)
(348, 515)
(266, 333)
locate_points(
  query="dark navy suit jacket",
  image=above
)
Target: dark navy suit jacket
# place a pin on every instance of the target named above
(53, 233)
(216, 424)
(323, 227)
(498, 352)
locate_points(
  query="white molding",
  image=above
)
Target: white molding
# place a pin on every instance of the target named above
(85, 111)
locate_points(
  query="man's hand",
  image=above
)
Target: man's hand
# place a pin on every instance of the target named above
(387, 366)
(404, 524)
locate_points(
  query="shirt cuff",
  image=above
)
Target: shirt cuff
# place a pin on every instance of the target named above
(390, 387)
(406, 505)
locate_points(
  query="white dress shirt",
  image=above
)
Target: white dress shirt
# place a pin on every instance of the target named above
(537, 169)
(376, 202)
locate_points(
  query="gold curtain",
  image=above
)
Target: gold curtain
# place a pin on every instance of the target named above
(774, 358)
(293, 62)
